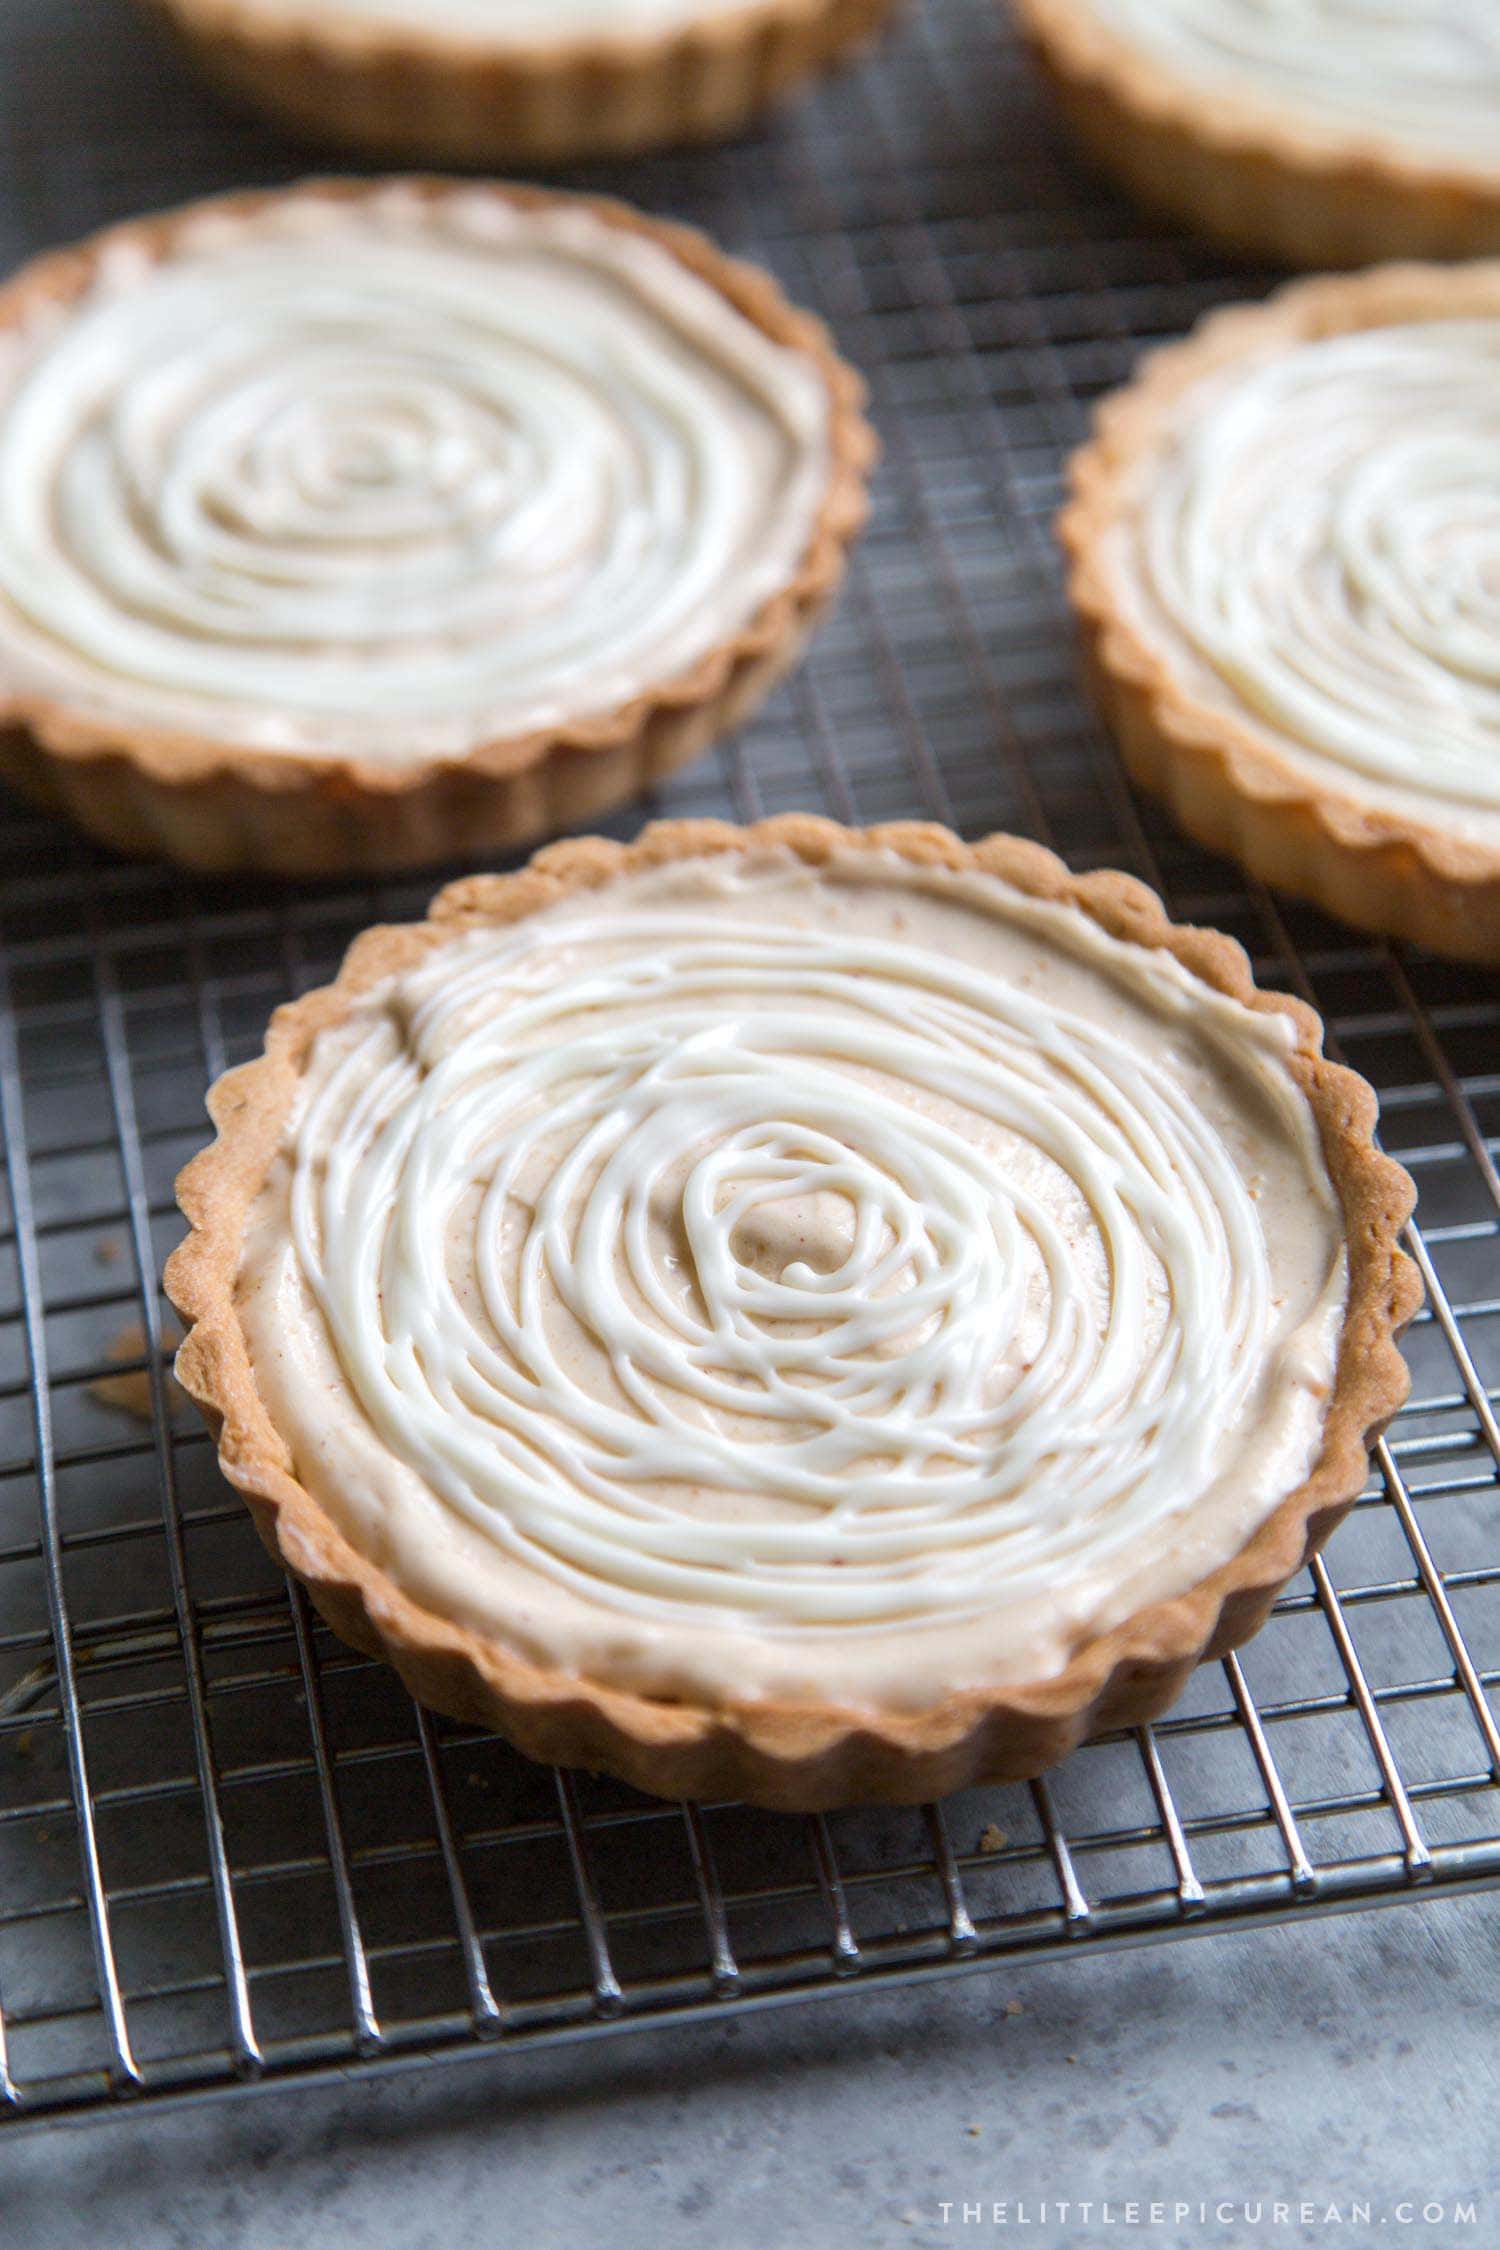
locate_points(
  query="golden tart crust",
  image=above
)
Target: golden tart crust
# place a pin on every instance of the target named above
(1385, 866)
(220, 805)
(783, 1753)
(419, 92)
(1244, 172)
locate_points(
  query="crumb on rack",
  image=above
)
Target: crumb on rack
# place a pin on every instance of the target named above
(108, 1250)
(130, 1391)
(992, 1839)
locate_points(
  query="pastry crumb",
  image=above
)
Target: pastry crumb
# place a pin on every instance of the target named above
(108, 1250)
(131, 1392)
(992, 1839)
(1014, 2008)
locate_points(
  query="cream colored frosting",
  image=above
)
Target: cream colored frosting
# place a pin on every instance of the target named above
(1422, 75)
(541, 23)
(747, 1280)
(392, 477)
(1316, 539)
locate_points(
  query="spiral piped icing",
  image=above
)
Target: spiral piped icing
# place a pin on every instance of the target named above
(1420, 75)
(756, 1279)
(1315, 537)
(391, 476)
(503, 22)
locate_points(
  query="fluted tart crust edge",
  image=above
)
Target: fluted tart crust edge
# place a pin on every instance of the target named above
(416, 92)
(1241, 171)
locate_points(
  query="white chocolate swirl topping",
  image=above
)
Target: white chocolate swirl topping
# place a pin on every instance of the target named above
(1421, 76)
(1318, 534)
(754, 1280)
(499, 23)
(393, 476)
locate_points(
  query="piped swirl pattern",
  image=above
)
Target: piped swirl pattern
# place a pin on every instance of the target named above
(1324, 530)
(1424, 74)
(396, 475)
(788, 1275)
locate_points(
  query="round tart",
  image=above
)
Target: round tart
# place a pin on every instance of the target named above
(517, 81)
(363, 525)
(790, 1312)
(1325, 132)
(1285, 548)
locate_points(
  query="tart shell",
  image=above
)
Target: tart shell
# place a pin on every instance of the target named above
(417, 93)
(1243, 173)
(217, 807)
(785, 1755)
(1224, 778)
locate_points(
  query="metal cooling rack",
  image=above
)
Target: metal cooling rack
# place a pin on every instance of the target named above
(229, 1848)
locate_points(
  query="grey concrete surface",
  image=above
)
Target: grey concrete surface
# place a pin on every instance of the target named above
(1344, 2063)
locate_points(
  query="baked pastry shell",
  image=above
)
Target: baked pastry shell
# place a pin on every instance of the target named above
(794, 1756)
(1241, 171)
(1225, 779)
(219, 807)
(418, 92)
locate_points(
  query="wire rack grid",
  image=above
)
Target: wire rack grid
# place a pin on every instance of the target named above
(230, 1849)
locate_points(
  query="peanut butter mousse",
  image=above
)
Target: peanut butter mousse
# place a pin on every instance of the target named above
(860, 1281)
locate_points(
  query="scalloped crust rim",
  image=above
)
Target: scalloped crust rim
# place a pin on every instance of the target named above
(1225, 780)
(1241, 171)
(420, 91)
(784, 1755)
(217, 805)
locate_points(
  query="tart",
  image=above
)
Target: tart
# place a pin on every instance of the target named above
(1285, 553)
(1323, 132)
(790, 1312)
(517, 81)
(368, 524)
